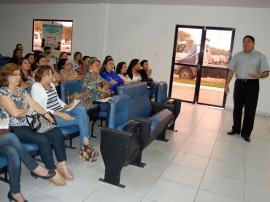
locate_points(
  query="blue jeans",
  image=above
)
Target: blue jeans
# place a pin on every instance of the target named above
(80, 118)
(46, 141)
(12, 149)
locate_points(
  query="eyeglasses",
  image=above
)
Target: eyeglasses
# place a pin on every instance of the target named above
(15, 75)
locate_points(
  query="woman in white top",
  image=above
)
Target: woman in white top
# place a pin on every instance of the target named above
(133, 70)
(121, 70)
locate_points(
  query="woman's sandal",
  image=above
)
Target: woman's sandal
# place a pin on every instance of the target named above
(90, 149)
(58, 179)
(67, 174)
(86, 155)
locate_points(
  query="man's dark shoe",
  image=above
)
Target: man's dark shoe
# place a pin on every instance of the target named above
(232, 132)
(247, 139)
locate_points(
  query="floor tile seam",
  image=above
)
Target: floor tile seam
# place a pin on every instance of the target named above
(192, 154)
(212, 157)
(227, 196)
(189, 167)
(205, 171)
(263, 169)
(257, 183)
(222, 161)
(45, 195)
(179, 183)
(223, 175)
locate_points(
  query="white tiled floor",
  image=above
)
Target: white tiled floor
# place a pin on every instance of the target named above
(200, 163)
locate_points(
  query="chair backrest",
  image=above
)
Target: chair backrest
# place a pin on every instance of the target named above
(71, 86)
(140, 104)
(118, 113)
(161, 92)
(4, 60)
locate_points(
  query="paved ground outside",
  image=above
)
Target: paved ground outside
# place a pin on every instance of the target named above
(207, 95)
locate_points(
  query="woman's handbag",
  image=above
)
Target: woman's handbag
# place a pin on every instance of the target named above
(85, 98)
(39, 123)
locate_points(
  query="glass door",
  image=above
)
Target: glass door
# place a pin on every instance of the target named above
(185, 62)
(200, 59)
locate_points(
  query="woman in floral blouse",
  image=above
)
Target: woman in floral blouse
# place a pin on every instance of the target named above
(96, 85)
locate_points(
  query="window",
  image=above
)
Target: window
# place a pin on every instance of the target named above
(56, 34)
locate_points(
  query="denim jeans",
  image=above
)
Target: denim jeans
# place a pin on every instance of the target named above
(46, 141)
(80, 118)
(12, 149)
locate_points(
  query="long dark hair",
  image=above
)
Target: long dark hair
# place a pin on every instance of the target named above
(119, 67)
(29, 72)
(61, 63)
(130, 67)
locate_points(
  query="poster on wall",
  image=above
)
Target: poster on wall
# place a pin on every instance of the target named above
(51, 37)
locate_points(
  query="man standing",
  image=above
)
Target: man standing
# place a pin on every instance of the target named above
(249, 66)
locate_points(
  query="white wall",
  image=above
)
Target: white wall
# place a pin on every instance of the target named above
(137, 31)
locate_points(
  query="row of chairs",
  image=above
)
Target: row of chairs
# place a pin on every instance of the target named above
(133, 123)
(142, 130)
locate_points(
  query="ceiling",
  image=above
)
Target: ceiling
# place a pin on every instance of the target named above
(219, 3)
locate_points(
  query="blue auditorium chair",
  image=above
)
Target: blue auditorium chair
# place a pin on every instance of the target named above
(120, 142)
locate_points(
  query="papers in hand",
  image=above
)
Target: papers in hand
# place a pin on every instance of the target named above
(75, 102)
(4, 123)
(105, 99)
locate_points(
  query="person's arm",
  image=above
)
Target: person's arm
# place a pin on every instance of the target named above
(228, 79)
(258, 75)
(37, 107)
(24, 84)
(10, 106)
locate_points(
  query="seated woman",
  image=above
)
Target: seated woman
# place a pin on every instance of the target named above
(15, 104)
(67, 72)
(12, 149)
(27, 78)
(109, 75)
(31, 58)
(134, 70)
(146, 71)
(63, 55)
(17, 56)
(96, 85)
(44, 92)
(121, 70)
(41, 61)
(76, 63)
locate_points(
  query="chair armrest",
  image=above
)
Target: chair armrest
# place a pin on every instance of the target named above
(145, 129)
(157, 107)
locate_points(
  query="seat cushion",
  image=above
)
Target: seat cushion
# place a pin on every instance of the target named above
(67, 130)
(30, 147)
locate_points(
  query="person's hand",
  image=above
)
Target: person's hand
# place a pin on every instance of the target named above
(65, 116)
(108, 93)
(106, 87)
(50, 118)
(227, 90)
(68, 106)
(78, 77)
(255, 75)
(112, 81)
